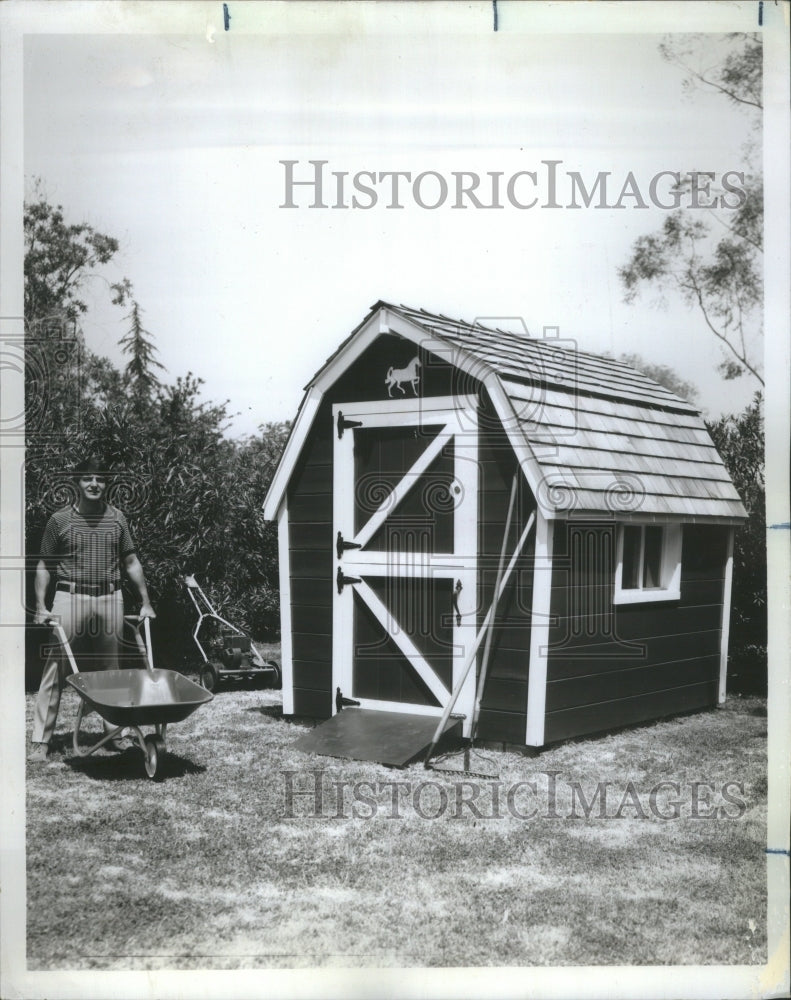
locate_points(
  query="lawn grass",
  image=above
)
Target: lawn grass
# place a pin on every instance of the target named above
(213, 867)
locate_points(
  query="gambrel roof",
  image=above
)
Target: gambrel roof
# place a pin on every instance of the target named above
(593, 435)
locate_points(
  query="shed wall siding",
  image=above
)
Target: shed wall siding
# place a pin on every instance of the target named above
(504, 702)
(616, 665)
(310, 571)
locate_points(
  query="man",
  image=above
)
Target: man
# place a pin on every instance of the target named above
(86, 544)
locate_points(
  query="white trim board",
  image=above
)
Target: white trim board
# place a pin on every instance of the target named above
(725, 626)
(539, 632)
(286, 647)
(296, 439)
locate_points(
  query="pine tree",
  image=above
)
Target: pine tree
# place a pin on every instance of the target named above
(139, 372)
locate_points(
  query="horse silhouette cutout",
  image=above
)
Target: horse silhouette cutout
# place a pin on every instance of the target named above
(397, 377)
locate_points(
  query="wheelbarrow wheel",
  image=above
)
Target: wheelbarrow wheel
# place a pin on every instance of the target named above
(154, 748)
(210, 676)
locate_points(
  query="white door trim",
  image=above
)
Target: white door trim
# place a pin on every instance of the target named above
(404, 643)
(457, 419)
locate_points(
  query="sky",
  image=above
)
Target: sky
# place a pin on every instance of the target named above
(172, 143)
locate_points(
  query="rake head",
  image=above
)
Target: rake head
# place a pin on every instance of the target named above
(467, 763)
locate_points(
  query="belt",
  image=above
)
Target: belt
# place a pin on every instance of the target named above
(89, 589)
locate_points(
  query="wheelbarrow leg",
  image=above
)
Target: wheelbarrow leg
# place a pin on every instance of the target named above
(75, 741)
(75, 736)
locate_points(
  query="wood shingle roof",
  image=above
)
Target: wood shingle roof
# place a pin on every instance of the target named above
(606, 437)
(595, 436)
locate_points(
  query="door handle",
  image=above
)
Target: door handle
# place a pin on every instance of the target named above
(456, 592)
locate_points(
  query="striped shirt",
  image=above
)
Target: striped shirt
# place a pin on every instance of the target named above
(87, 548)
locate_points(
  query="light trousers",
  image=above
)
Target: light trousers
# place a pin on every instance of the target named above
(94, 629)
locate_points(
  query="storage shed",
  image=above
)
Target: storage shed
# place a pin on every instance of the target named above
(434, 462)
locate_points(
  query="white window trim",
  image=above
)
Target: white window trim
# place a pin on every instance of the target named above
(671, 568)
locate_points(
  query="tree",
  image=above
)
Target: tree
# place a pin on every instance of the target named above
(718, 272)
(715, 263)
(139, 345)
(738, 76)
(60, 257)
(193, 497)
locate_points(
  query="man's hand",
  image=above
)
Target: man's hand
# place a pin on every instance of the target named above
(41, 617)
(135, 571)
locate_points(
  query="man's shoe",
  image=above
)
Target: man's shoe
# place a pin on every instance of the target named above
(38, 754)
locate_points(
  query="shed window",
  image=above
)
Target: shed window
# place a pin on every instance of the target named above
(649, 563)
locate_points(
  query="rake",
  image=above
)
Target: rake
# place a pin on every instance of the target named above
(447, 763)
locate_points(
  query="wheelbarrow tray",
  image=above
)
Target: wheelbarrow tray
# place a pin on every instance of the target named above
(139, 697)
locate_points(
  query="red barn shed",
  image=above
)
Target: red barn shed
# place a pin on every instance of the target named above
(433, 462)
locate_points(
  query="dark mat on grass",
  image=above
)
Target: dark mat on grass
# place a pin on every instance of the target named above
(391, 738)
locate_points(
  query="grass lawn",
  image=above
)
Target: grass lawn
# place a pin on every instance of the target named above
(215, 867)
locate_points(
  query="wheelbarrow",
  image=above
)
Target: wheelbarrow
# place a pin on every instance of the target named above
(235, 655)
(129, 699)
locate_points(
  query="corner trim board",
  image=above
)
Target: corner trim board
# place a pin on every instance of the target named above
(539, 632)
(284, 571)
(726, 617)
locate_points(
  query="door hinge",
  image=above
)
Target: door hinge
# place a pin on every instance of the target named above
(342, 580)
(343, 423)
(342, 546)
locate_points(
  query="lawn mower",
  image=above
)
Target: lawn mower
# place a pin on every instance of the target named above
(226, 651)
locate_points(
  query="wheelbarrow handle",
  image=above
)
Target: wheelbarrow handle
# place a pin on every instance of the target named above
(54, 622)
(143, 645)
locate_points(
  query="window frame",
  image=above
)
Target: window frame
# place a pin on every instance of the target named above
(670, 573)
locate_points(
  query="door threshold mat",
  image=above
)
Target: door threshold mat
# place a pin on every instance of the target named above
(392, 738)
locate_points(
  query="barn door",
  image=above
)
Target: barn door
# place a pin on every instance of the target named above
(405, 530)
